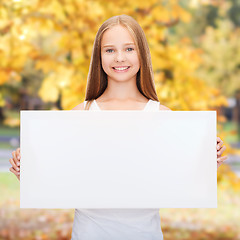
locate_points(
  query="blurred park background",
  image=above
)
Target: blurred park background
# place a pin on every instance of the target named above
(45, 51)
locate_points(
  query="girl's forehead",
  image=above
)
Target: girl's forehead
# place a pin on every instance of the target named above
(116, 34)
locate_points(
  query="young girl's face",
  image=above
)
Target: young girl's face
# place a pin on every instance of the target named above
(119, 51)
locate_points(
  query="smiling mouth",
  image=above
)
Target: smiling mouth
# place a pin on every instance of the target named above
(123, 69)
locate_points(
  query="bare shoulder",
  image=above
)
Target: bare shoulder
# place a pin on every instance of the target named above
(162, 107)
(79, 106)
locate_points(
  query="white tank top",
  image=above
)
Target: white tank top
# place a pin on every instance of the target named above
(118, 224)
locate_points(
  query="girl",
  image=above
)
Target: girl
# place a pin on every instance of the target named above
(120, 78)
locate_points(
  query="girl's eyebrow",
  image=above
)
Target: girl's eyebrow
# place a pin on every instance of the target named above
(109, 45)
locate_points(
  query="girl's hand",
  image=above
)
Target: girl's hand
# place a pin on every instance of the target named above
(220, 150)
(15, 162)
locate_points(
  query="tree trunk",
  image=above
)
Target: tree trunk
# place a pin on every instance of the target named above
(2, 117)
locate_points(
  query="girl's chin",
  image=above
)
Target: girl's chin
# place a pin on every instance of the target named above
(121, 78)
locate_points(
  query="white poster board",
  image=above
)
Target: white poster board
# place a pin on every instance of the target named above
(118, 159)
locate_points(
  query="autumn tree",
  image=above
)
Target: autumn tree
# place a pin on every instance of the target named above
(55, 38)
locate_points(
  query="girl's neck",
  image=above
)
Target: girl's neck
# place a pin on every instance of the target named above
(122, 92)
(122, 98)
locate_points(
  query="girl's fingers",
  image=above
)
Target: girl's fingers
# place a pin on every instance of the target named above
(219, 152)
(16, 161)
(14, 165)
(221, 159)
(14, 156)
(219, 143)
(219, 164)
(15, 172)
(18, 154)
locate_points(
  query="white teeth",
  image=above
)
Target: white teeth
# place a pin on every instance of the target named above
(120, 68)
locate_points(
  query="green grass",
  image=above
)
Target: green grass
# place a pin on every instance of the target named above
(12, 113)
(9, 131)
(5, 145)
(232, 126)
(235, 164)
(9, 186)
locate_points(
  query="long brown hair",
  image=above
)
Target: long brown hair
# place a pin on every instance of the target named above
(97, 78)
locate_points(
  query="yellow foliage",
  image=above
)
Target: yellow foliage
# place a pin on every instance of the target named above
(46, 65)
(181, 13)
(49, 91)
(161, 13)
(227, 179)
(12, 122)
(58, 37)
(73, 26)
(2, 101)
(4, 75)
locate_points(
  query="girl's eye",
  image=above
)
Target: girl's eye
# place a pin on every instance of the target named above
(112, 49)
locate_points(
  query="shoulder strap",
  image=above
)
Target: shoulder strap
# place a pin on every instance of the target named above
(153, 106)
(85, 102)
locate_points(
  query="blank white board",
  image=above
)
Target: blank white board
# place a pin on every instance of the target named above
(118, 159)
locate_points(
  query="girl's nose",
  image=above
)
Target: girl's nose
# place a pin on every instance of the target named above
(120, 56)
